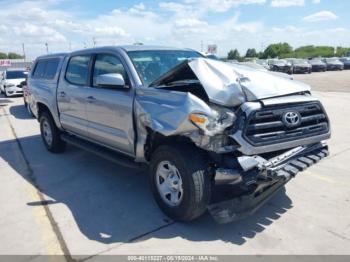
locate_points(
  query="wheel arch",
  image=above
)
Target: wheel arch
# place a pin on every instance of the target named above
(43, 107)
(155, 139)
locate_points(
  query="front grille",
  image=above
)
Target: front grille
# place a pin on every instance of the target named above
(265, 127)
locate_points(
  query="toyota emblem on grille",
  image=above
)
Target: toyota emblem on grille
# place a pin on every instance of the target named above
(291, 119)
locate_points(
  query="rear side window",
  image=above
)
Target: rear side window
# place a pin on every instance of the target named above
(51, 68)
(46, 69)
(77, 70)
(39, 70)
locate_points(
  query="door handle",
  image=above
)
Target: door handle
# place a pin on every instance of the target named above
(91, 99)
(62, 94)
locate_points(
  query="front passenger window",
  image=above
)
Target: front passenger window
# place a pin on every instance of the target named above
(107, 64)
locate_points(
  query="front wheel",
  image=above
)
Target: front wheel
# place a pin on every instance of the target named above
(180, 181)
(51, 134)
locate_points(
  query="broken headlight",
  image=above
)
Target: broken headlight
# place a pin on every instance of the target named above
(216, 123)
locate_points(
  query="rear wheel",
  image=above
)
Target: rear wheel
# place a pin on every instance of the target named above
(51, 134)
(180, 181)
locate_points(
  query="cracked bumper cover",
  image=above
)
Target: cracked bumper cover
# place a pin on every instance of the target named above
(268, 176)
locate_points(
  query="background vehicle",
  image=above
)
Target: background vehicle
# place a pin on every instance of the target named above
(280, 65)
(318, 65)
(264, 63)
(334, 64)
(263, 69)
(346, 62)
(12, 82)
(199, 124)
(300, 66)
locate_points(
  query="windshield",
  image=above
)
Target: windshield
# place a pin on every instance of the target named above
(16, 74)
(332, 59)
(299, 61)
(261, 62)
(253, 65)
(278, 62)
(150, 65)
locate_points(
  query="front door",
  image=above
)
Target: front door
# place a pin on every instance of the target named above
(110, 110)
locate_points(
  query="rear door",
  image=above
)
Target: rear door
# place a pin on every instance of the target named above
(110, 110)
(72, 94)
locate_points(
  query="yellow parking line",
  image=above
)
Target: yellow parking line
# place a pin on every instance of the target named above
(47, 234)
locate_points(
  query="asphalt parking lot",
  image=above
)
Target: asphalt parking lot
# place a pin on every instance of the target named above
(78, 204)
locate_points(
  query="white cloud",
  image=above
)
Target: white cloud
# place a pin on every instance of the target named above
(287, 29)
(32, 32)
(287, 3)
(320, 16)
(181, 24)
(224, 6)
(201, 6)
(316, 1)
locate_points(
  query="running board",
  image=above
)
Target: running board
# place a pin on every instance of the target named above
(101, 151)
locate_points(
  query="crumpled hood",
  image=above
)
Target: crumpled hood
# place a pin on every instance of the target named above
(231, 85)
(260, 85)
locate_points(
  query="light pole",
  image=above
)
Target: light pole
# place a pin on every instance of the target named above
(24, 52)
(47, 47)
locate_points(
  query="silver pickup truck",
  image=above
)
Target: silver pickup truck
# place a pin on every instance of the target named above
(202, 127)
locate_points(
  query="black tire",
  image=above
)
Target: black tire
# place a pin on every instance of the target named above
(56, 145)
(196, 183)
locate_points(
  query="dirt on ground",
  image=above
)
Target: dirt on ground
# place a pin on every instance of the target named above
(331, 81)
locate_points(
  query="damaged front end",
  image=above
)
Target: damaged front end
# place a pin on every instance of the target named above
(262, 178)
(238, 118)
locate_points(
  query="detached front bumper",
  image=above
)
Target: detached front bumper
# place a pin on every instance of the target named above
(266, 177)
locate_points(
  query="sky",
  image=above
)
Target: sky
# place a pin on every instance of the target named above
(71, 25)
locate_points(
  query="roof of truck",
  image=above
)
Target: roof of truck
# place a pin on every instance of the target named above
(126, 48)
(52, 55)
(149, 47)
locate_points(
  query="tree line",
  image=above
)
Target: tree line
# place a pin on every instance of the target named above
(284, 50)
(10, 55)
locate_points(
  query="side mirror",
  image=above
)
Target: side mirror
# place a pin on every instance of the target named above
(111, 81)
